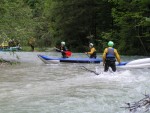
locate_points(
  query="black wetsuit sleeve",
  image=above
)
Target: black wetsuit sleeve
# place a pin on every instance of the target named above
(58, 50)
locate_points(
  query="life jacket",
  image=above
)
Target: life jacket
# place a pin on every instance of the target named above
(5, 44)
(64, 54)
(110, 54)
(93, 55)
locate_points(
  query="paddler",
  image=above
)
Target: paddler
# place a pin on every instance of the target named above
(63, 50)
(92, 51)
(109, 57)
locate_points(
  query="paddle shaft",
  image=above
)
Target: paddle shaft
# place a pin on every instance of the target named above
(68, 53)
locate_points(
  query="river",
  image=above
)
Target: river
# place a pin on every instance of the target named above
(34, 87)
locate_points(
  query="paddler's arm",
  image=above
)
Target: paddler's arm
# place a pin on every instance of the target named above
(117, 55)
(58, 50)
(92, 51)
(104, 55)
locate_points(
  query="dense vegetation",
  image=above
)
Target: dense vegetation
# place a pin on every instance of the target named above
(78, 22)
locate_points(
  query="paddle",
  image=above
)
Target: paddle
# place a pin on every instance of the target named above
(87, 55)
(68, 53)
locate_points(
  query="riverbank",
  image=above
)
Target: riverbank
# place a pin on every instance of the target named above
(40, 49)
(7, 62)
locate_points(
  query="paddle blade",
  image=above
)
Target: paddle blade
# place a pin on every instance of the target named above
(68, 53)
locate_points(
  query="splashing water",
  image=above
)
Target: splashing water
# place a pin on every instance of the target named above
(33, 87)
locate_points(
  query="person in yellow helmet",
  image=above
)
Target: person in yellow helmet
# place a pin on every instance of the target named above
(5, 44)
(109, 57)
(92, 51)
(31, 43)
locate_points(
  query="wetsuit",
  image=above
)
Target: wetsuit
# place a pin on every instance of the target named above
(109, 58)
(62, 49)
(92, 53)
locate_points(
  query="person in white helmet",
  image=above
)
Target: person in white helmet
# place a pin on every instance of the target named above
(63, 50)
(92, 51)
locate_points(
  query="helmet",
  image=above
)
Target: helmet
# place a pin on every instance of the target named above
(110, 44)
(62, 43)
(91, 44)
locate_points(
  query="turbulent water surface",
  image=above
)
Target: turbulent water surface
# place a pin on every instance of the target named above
(33, 87)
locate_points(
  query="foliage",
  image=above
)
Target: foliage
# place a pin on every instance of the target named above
(16, 20)
(126, 22)
(129, 21)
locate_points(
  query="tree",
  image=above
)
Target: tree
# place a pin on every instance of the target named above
(15, 20)
(77, 22)
(129, 16)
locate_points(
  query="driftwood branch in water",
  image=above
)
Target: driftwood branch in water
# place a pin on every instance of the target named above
(141, 104)
(86, 69)
(2, 61)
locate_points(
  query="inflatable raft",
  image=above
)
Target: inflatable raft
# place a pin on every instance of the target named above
(139, 63)
(49, 60)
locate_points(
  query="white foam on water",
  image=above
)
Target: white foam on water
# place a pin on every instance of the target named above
(34, 87)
